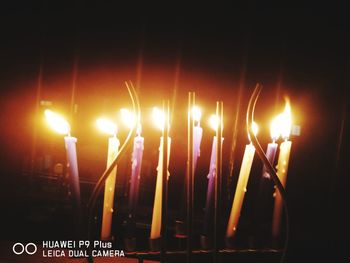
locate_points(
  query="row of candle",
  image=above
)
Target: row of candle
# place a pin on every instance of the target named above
(281, 126)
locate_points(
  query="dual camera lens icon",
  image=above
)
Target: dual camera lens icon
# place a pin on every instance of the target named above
(20, 248)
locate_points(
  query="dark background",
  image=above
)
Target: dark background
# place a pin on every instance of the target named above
(168, 50)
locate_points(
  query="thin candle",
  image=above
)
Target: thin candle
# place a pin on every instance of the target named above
(136, 160)
(110, 128)
(211, 179)
(241, 188)
(263, 202)
(272, 147)
(61, 126)
(197, 134)
(285, 122)
(157, 207)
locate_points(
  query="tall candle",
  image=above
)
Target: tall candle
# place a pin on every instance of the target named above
(282, 169)
(197, 138)
(61, 126)
(136, 161)
(284, 121)
(157, 207)
(108, 202)
(211, 179)
(210, 189)
(197, 135)
(241, 188)
(159, 118)
(72, 165)
(263, 203)
(110, 128)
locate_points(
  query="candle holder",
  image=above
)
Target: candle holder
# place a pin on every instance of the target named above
(130, 244)
(205, 242)
(249, 120)
(155, 244)
(180, 229)
(100, 183)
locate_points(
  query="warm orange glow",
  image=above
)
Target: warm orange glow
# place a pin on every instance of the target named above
(255, 129)
(275, 131)
(106, 126)
(128, 118)
(214, 122)
(286, 121)
(196, 113)
(282, 124)
(57, 122)
(159, 118)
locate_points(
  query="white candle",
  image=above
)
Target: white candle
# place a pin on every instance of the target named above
(61, 126)
(72, 165)
(285, 121)
(282, 169)
(241, 188)
(197, 135)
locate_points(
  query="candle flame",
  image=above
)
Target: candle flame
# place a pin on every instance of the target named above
(57, 122)
(196, 113)
(275, 130)
(214, 122)
(159, 118)
(286, 121)
(128, 118)
(106, 126)
(282, 124)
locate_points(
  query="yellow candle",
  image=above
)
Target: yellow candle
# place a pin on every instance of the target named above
(285, 124)
(159, 119)
(108, 202)
(157, 207)
(282, 169)
(241, 188)
(109, 127)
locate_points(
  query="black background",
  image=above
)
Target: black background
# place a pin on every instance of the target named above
(302, 52)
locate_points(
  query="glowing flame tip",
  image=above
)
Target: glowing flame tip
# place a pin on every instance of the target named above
(57, 122)
(106, 126)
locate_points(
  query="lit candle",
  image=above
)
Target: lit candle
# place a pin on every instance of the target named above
(61, 126)
(136, 160)
(285, 122)
(211, 179)
(241, 188)
(157, 207)
(110, 128)
(266, 184)
(197, 134)
(272, 147)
